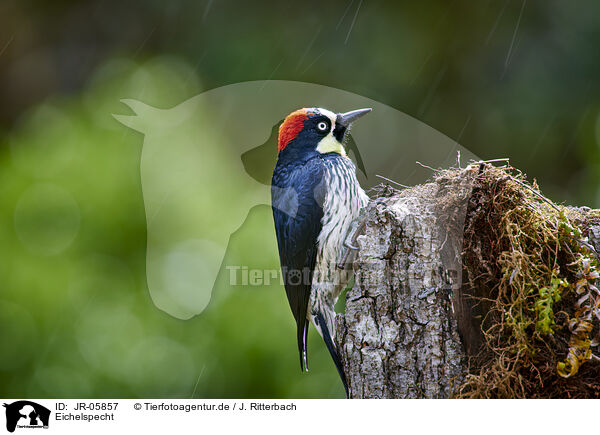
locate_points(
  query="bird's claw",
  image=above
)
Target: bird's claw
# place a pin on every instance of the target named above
(350, 243)
(350, 246)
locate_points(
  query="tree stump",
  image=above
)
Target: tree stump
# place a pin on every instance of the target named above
(409, 330)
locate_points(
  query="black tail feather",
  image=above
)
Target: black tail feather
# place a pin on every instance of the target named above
(302, 332)
(332, 351)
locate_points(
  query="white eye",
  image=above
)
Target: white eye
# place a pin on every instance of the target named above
(322, 126)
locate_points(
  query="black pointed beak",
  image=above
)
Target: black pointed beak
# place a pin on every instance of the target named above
(345, 119)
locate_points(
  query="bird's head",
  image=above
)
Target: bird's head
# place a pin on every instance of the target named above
(305, 132)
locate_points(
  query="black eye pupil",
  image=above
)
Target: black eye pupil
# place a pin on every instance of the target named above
(322, 126)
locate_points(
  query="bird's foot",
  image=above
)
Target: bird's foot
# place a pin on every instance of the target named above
(350, 242)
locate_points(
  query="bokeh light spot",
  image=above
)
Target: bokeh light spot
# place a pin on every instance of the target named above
(161, 367)
(45, 145)
(106, 333)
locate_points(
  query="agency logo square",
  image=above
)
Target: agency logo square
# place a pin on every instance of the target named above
(24, 414)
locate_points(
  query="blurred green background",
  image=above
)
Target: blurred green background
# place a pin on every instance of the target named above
(504, 78)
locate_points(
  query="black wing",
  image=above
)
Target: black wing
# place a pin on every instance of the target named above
(297, 201)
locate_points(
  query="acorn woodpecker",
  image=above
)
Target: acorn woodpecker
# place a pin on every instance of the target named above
(316, 198)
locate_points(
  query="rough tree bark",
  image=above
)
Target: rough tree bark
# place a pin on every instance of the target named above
(399, 336)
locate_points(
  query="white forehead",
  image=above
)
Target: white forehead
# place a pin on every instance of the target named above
(328, 113)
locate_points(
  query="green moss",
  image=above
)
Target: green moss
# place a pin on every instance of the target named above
(544, 305)
(533, 268)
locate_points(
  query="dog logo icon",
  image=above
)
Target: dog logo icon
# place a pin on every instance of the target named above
(26, 414)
